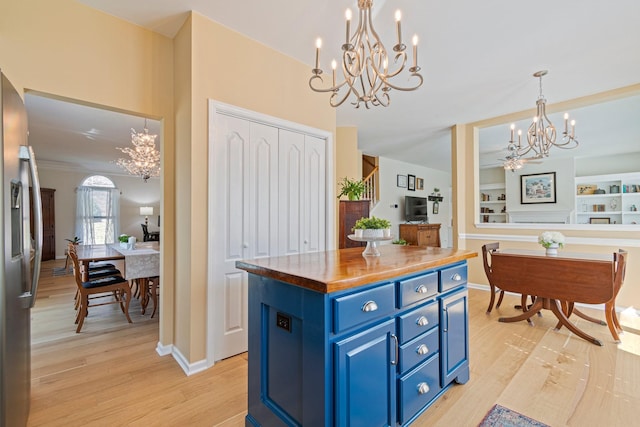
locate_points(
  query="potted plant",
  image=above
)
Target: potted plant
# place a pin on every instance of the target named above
(351, 188)
(75, 241)
(372, 227)
(551, 241)
(124, 240)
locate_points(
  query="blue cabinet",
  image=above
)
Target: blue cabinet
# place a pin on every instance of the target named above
(365, 378)
(373, 355)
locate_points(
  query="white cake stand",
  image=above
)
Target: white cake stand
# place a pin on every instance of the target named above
(372, 247)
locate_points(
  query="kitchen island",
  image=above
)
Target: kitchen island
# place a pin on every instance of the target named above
(339, 339)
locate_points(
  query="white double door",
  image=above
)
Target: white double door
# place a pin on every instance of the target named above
(268, 193)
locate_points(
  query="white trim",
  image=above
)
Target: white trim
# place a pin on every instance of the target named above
(599, 307)
(188, 368)
(164, 350)
(570, 227)
(593, 241)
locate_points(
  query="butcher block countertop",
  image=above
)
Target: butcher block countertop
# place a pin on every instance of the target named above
(333, 271)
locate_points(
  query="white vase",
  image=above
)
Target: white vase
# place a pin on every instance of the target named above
(553, 249)
(373, 232)
(358, 232)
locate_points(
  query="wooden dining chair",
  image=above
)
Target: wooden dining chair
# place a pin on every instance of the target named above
(620, 261)
(154, 290)
(106, 290)
(486, 253)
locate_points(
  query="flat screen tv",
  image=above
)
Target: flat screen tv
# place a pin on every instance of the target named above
(415, 209)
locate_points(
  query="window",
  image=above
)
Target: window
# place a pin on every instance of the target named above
(97, 210)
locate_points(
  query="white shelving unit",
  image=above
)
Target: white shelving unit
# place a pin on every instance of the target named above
(493, 203)
(608, 199)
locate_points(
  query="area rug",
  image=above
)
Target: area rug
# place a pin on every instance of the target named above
(499, 416)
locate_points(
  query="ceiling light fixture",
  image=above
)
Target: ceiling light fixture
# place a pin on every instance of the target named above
(365, 64)
(144, 158)
(541, 135)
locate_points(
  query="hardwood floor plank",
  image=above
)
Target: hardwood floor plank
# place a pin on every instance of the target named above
(111, 375)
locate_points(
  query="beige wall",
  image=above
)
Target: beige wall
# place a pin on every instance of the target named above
(348, 162)
(226, 66)
(473, 237)
(63, 48)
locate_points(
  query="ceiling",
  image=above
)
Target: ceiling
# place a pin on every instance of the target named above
(477, 59)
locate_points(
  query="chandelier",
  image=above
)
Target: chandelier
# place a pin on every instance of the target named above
(541, 135)
(144, 159)
(365, 64)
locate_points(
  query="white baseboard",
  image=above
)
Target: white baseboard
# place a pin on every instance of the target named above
(188, 368)
(593, 306)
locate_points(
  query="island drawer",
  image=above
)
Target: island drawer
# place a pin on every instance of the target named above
(419, 349)
(417, 288)
(364, 306)
(418, 321)
(418, 388)
(453, 277)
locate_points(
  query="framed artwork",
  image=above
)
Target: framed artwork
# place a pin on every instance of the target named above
(419, 184)
(538, 188)
(599, 220)
(402, 181)
(411, 182)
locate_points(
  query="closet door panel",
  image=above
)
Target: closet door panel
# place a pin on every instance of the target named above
(314, 195)
(290, 165)
(263, 191)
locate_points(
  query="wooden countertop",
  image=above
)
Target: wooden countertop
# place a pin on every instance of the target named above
(333, 271)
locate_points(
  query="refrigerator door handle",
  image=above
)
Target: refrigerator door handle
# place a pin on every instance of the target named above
(29, 298)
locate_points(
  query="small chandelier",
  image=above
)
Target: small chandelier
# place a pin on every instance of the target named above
(365, 64)
(144, 159)
(541, 135)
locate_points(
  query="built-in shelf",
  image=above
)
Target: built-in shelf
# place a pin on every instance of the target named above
(614, 198)
(493, 203)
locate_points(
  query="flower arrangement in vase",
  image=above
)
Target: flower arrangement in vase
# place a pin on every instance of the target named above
(551, 241)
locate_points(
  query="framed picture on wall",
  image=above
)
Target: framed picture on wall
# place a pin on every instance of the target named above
(419, 184)
(402, 181)
(411, 182)
(538, 188)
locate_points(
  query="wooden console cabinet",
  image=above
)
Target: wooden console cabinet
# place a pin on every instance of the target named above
(421, 234)
(350, 212)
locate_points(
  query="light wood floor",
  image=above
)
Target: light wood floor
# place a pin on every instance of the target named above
(110, 374)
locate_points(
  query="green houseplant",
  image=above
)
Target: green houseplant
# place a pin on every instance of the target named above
(351, 188)
(75, 241)
(372, 227)
(123, 238)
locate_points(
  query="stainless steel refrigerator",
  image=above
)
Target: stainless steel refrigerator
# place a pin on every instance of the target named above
(21, 256)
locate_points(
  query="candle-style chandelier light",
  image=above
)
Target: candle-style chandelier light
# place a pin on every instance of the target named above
(541, 135)
(365, 64)
(144, 159)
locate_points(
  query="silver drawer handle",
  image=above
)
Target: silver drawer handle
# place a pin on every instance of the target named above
(423, 388)
(456, 277)
(369, 306)
(422, 289)
(422, 321)
(422, 350)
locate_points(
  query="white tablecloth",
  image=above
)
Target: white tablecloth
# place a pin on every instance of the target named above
(140, 263)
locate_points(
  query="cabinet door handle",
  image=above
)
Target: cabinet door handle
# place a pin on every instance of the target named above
(396, 349)
(369, 306)
(422, 321)
(422, 289)
(422, 350)
(456, 277)
(445, 319)
(423, 388)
